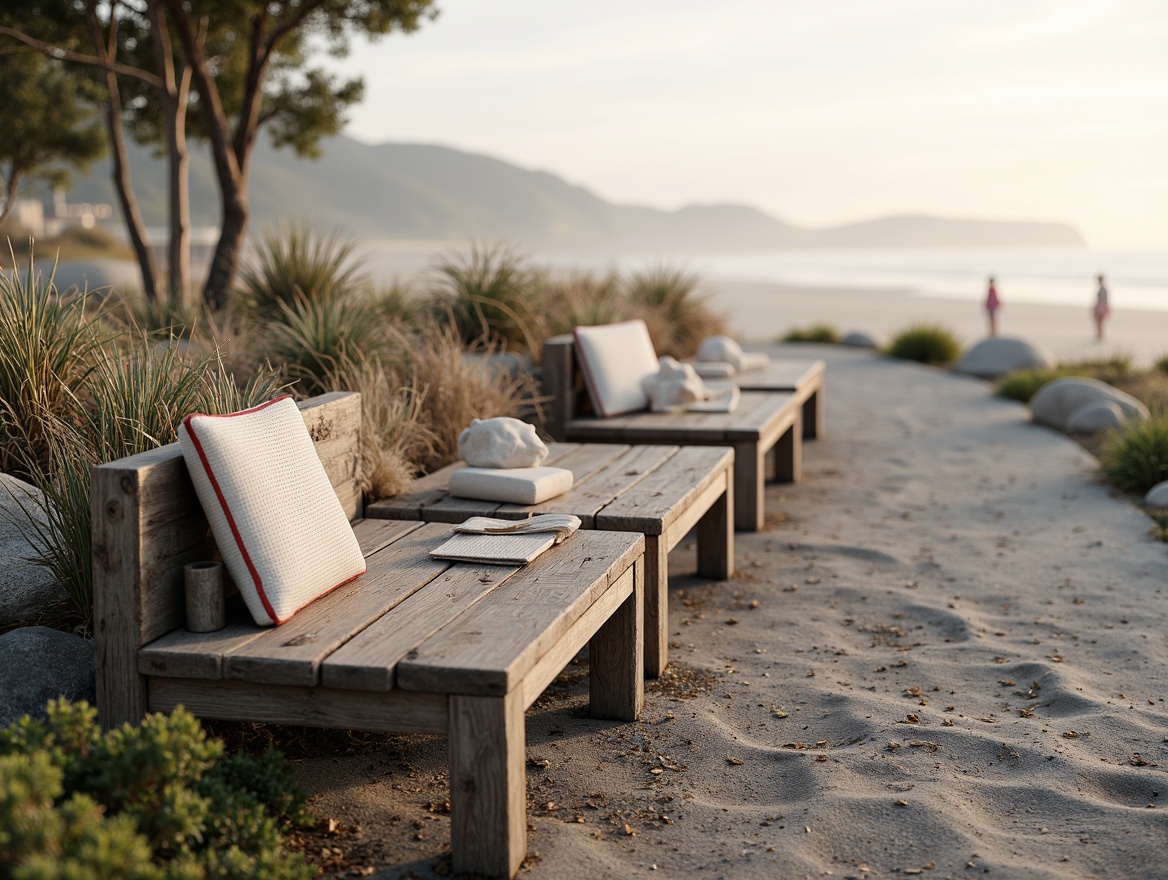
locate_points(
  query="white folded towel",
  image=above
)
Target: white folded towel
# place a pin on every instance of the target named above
(515, 485)
(562, 524)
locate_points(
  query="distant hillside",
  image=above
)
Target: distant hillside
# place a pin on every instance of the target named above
(417, 191)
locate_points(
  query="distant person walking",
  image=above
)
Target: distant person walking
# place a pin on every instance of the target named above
(992, 304)
(1102, 310)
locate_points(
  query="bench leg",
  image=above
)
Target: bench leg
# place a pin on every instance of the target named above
(789, 454)
(488, 798)
(813, 416)
(656, 589)
(749, 479)
(716, 538)
(616, 669)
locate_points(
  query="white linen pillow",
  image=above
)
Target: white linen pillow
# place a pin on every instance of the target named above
(616, 359)
(275, 516)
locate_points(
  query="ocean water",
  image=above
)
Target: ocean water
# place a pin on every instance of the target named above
(1135, 279)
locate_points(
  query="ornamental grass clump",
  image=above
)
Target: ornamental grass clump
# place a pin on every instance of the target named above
(156, 801)
(926, 343)
(1135, 457)
(674, 297)
(814, 333)
(486, 295)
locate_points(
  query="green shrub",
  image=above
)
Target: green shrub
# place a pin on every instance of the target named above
(814, 333)
(154, 801)
(1022, 385)
(926, 343)
(292, 260)
(486, 296)
(1161, 364)
(1135, 457)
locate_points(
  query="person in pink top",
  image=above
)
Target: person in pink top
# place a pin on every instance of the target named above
(1102, 310)
(992, 304)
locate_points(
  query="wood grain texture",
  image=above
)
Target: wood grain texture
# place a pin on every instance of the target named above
(399, 711)
(513, 626)
(655, 575)
(715, 534)
(668, 492)
(488, 804)
(616, 673)
(559, 383)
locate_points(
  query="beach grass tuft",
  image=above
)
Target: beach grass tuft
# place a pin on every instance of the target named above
(926, 343)
(1135, 457)
(814, 333)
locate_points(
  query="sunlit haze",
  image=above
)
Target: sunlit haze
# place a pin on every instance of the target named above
(816, 113)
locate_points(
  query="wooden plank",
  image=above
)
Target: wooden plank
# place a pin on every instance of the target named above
(183, 654)
(489, 650)
(368, 660)
(580, 633)
(586, 499)
(656, 598)
(664, 495)
(399, 712)
(715, 533)
(424, 492)
(559, 383)
(783, 374)
(292, 653)
(697, 506)
(488, 802)
(749, 474)
(374, 535)
(616, 671)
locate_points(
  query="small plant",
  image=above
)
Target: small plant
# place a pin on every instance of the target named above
(814, 333)
(155, 801)
(1021, 385)
(1161, 364)
(1135, 457)
(673, 295)
(579, 299)
(486, 296)
(292, 261)
(926, 343)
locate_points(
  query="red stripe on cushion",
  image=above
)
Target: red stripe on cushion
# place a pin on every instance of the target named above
(259, 586)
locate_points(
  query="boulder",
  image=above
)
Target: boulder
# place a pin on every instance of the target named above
(1158, 495)
(38, 664)
(1056, 401)
(26, 589)
(501, 442)
(1095, 417)
(858, 339)
(999, 355)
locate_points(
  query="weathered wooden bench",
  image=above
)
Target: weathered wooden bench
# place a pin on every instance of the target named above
(661, 492)
(414, 645)
(766, 425)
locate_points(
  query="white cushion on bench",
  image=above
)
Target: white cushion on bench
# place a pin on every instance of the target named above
(515, 485)
(616, 359)
(277, 521)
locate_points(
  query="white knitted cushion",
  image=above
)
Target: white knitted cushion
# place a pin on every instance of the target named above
(281, 529)
(616, 359)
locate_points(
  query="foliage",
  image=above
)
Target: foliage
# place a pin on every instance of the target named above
(48, 119)
(926, 343)
(578, 299)
(486, 295)
(291, 261)
(1021, 385)
(814, 333)
(47, 349)
(673, 296)
(1135, 457)
(154, 801)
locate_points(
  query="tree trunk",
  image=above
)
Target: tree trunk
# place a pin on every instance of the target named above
(11, 188)
(173, 97)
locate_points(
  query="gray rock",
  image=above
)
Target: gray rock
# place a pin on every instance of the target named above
(1056, 401)
(38, 664)
(999, 355)
(1158, 495)
(25, 589)
(859, 339)
(1094, 417)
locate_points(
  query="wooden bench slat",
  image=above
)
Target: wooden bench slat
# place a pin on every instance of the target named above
(368, 661)
(490, 650)
(292, 652)
(589, 496)
(374, 535)
(662, 497)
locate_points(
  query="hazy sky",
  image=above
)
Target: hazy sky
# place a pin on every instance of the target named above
(817, 113)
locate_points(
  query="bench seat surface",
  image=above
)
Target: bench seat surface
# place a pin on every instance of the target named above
(413, 622)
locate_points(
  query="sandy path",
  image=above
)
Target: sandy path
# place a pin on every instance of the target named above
(943, 561)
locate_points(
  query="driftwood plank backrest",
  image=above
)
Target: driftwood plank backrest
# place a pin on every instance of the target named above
(147, 523)
(562, 383)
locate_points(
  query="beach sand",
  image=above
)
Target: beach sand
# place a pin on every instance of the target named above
(762, 311)
(945, 656)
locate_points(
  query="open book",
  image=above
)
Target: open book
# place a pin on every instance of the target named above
(506, 542)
